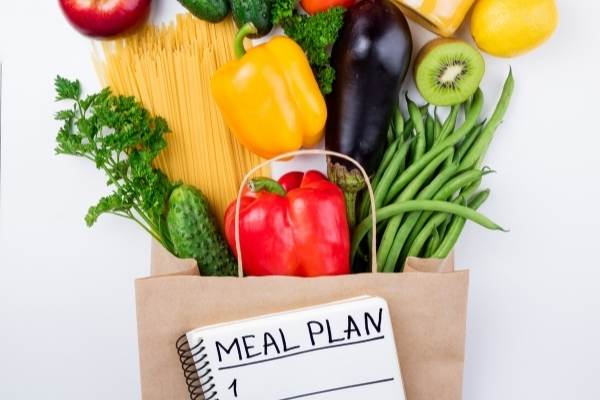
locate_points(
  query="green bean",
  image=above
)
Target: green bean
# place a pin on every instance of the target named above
(394, 210)
(417, 118)
(478, 199)
(433, 242)
(398, 123)
(420, 147)
(411, 150)
(437, 128)
(471, 188)
(391, 135)
(408, 129)
(385, 161)
(410, 231)
(438, 182)
(449, 141)
(390, 173)
(407, 194)
(407, 225)
(468, 141)
(425, 234)
(413, 187)
(415, 233)
(429, 133)
(458, 182)
(441, 232)
(449, 161)
(479, 148)
(385, 170)
(467, 104)
(450, 123)
(457, 225)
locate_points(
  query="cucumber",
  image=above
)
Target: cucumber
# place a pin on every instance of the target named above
(256, 11)
(208, 10)
(194, 233)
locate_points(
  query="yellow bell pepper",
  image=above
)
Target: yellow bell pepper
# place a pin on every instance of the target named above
(269, 96)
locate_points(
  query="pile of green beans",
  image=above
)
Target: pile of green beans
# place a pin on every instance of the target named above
(427, 184)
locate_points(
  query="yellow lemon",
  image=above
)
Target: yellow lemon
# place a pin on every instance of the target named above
(507, 28)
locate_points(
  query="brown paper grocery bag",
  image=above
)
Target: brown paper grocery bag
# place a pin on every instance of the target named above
(427, 306)
(428, 312)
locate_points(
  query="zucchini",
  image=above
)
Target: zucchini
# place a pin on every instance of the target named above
(194, 233)
(256, 11)
(207, 10)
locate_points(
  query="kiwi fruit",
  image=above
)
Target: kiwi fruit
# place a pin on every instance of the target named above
(448, 71)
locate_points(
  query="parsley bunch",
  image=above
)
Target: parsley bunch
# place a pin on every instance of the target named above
(314, 33)
(121, 137)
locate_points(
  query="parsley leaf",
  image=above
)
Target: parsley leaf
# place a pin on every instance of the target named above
(67, 90)
(122, 138)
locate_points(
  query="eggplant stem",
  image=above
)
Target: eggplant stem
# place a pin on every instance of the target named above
(351, 182)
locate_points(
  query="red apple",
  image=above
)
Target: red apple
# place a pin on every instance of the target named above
(105, 18)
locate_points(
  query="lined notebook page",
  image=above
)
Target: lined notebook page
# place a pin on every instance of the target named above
(338, 351)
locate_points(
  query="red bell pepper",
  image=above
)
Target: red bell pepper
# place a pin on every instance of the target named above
(316, 6)
(294, 226)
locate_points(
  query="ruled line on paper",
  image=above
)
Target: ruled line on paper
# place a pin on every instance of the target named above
(339, 388)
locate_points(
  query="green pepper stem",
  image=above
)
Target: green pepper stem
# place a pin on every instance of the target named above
(266, 184)
(238, 41)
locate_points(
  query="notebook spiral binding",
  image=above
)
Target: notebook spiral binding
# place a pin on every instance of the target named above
(196, 370)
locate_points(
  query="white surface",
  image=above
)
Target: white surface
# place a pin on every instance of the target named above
(67, 315)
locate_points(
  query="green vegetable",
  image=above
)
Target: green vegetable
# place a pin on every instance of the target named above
(121, 137)
(256, 11)
(402, 237)
(195, 235)
(387, 242)
(398, 123)
(282, 10)
(441, 166)
(468, 141)
(315, 34)
(457, 225)
(385, 161)
(392, 170)
(417, 118)
(409, 174)
(393, 210)
(207, 10)
(477, 151)
(450, 123)
(429, 131)
(457, 183)
(433, 242)
(426, 233)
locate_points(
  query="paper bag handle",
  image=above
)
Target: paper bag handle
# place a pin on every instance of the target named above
(290, 154)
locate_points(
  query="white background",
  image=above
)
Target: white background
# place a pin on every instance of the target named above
(67, 315)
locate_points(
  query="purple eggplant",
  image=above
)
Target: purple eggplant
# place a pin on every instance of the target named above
(371, 59)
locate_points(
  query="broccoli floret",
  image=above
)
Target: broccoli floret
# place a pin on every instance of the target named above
(282, 9)
(314, 33)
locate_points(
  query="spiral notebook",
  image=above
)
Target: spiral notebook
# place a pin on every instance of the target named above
(336, 351)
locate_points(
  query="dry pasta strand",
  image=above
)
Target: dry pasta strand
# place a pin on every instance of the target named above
(168, 68)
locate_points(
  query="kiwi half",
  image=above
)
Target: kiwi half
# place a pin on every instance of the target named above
(448, 71)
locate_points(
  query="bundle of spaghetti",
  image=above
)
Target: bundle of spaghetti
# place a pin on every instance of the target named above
(168, 68)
